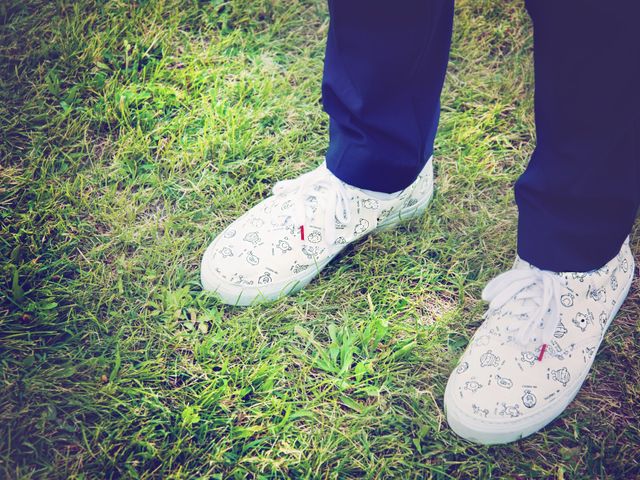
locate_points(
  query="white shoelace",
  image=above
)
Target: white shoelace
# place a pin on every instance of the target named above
(330, 193)
(529, 295)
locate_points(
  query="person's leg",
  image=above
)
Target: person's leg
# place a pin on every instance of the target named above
(384, 69)
(579, 196)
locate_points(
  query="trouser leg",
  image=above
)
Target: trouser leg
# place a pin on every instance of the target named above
(384, 68)
(579, 196)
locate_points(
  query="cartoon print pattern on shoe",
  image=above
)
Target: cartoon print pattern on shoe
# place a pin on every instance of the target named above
(282, 243)
(531, 355)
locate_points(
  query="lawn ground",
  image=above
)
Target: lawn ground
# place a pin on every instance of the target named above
(131, 135)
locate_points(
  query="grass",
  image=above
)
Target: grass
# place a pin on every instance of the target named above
(131, 134)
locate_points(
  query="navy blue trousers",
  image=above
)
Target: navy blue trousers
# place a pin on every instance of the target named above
(578, 198)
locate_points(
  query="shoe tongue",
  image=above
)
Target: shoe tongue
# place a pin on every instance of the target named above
(520, 264)
(379, 195)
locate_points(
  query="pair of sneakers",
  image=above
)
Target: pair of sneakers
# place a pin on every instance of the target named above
(522, 367)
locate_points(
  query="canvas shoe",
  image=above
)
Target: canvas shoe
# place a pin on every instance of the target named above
(282, 243)
(534, 350)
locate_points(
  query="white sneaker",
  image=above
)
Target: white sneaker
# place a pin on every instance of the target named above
(530, 357)
(281, 244)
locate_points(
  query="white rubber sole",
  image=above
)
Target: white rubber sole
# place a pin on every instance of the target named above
(470, 428)
(245, 296)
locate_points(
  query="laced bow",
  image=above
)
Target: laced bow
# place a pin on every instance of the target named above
(329, 192)
(526, 297)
